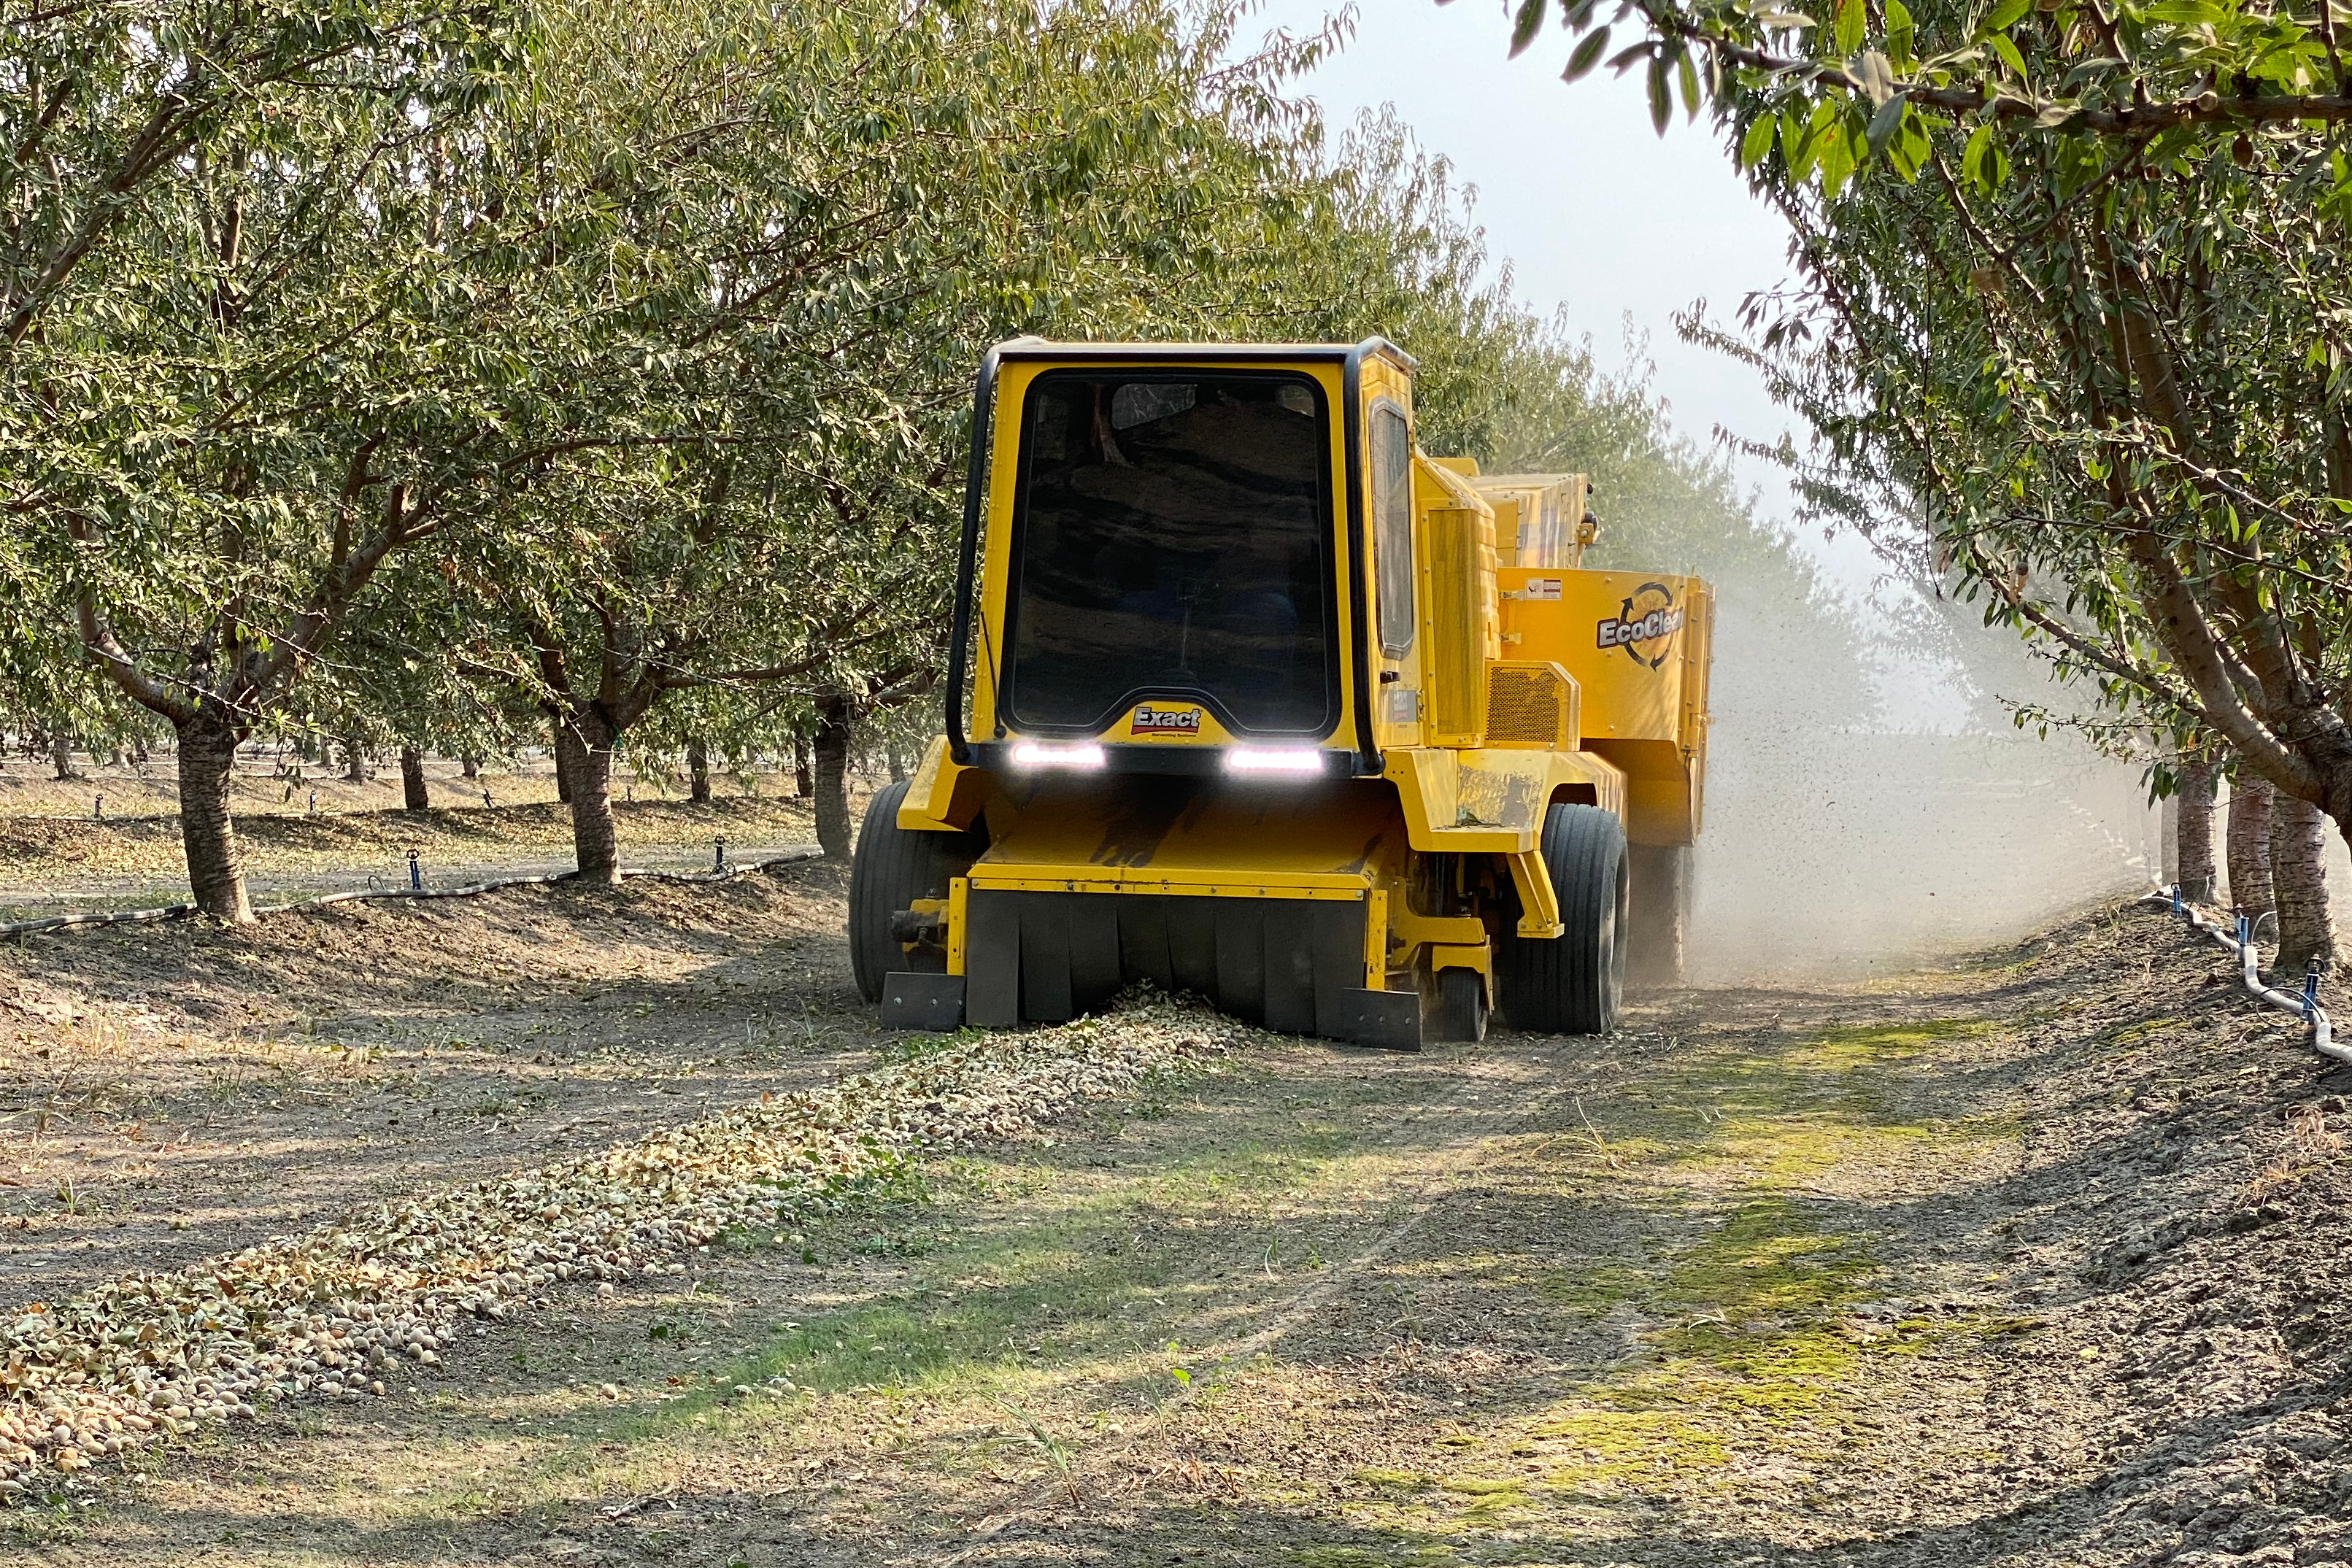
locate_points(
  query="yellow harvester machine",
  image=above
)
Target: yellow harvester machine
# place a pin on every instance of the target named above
(1266, 704)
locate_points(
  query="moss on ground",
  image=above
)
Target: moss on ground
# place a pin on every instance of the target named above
(1746, 1333)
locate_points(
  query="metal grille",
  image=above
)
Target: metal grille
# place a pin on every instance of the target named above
(1527, 704)
(1458, 638)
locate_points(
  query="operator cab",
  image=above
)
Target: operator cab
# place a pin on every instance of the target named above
(1171, 545)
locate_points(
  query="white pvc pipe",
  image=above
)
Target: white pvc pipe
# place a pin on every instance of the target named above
(2322, 1034)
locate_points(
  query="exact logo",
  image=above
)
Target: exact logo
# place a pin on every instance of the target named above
(1151, 720)
(1648, 616)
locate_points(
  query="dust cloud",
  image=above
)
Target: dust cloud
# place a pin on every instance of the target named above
(1838, 845)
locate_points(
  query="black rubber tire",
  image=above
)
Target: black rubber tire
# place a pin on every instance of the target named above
(1571, 984)
(1461, 1007)
(1658, 938)
(890, 869)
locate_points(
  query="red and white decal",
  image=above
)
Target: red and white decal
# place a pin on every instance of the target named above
(1151, 719)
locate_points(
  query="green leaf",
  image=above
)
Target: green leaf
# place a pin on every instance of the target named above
(1837, 158)
(1587, 55)
(1661, 101)
(2009, 55)
(1852, 15)
(1899, 34)
(1813, 142)
(1912, 147)
(1757, 141)
(1972, 158)
(1625, 59)
(2003, 15)
(1796, 144)
(1883, 122)
(1526, 24)
(1686, 79)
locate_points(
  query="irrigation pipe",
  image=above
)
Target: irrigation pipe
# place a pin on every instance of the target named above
(2240, 940)
(181, 910)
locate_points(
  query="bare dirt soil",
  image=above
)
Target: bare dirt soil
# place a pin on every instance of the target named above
(169, 1091)
(57, 864)
(2034, 1259)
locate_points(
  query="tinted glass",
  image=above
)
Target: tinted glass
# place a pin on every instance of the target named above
(1392, 524)
(1173, 538)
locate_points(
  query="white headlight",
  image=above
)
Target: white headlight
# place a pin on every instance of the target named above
(1274, 759)
(1029, 753)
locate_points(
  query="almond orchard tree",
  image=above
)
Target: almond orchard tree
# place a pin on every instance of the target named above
(223, 290)
(2071, 324)
(850, 212)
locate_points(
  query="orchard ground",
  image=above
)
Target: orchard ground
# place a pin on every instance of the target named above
(2032, 1257)
(109, 838)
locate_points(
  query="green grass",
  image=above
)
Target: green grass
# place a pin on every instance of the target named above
(1749, 1312)
(1026, 1271)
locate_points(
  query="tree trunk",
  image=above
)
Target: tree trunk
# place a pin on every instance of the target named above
(61, 753)
(832, 758)
(595, 844)
(898, 763)
(469, 766)
(2249, 839)
(567, 757)
(2306, 931)
(803, 781)
(208, 751)
(2194, 831)
(697, 773)
(354, 763)
(413, 797)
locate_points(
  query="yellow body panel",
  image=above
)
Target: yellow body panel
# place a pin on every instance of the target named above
(1540, 519)
(1337, 841)
(1637, 645)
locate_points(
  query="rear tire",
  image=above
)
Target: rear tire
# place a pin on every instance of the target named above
(890, 869)
(1572, 984)
(1461, 1007)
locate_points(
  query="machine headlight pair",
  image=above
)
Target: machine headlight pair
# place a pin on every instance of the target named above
(1262, 761)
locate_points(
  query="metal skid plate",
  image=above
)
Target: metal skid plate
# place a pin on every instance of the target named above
(1390, 1020)
(931, 1003)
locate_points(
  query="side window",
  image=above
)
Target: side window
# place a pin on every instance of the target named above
(1392, 525)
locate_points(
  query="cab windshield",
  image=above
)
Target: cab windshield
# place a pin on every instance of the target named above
(1173, 539)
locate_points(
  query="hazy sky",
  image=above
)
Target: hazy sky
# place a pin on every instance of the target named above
(1594, 210)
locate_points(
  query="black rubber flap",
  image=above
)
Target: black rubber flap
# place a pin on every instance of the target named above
(932, 1003)
(992, 960)
(1045, 957)
(1388, 1019)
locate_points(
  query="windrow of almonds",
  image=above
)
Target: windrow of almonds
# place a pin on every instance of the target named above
(325, 1314)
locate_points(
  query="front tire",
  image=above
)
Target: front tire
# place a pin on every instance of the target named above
(1573, 983)
(891, 868)
(1461, 1007)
